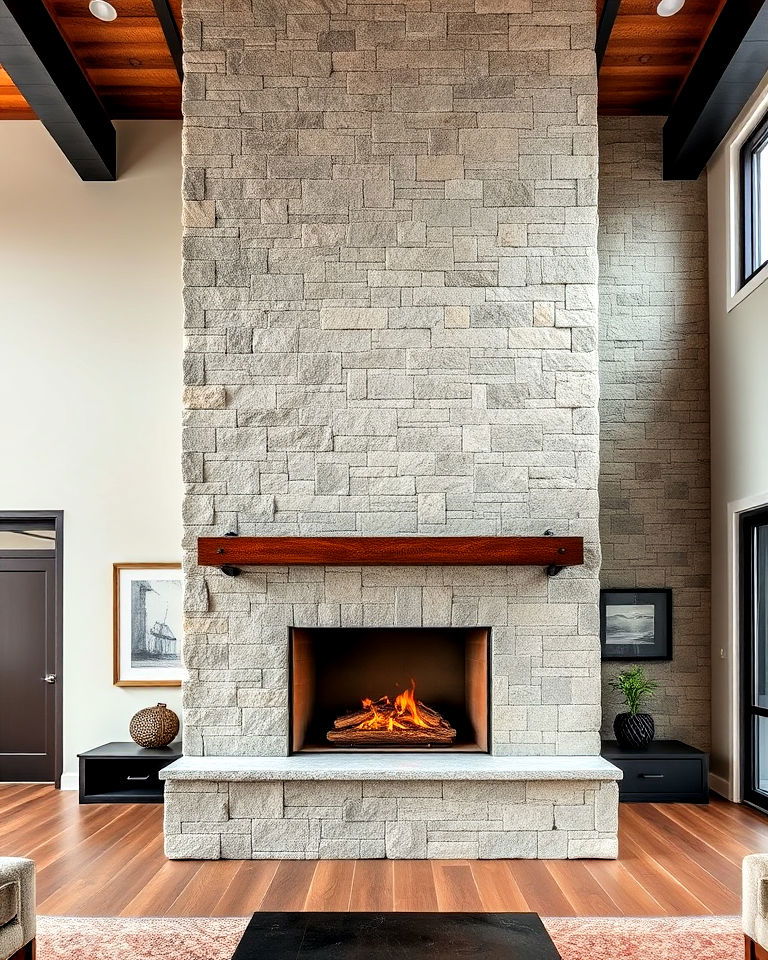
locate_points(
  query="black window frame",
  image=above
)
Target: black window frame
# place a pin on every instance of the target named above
(750, 202)
(751, 712)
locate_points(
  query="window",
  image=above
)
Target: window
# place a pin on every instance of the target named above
(754, 201)
(28, 535)
(754, 654)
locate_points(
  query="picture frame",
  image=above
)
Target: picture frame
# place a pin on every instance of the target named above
(636, 624)
(147, 624)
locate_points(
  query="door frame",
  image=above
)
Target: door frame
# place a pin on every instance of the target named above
(748, 520)
(57, 516)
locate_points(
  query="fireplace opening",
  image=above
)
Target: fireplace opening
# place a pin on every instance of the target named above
(389, 689)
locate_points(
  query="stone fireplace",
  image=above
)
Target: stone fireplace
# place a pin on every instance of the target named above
(390, 298)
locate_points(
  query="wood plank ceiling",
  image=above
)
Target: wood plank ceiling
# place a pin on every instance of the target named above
(648, 57)
(127, 61)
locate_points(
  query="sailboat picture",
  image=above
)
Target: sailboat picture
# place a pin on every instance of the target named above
(148, 624)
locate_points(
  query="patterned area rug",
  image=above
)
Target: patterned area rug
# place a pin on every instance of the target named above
(593, 938)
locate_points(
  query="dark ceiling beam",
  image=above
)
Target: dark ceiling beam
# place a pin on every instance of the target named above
(726, 73)
(172, 33)
(605, 27)
(42, 66)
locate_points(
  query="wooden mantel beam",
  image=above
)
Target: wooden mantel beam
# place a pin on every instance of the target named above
(40, 63)
(235, 552)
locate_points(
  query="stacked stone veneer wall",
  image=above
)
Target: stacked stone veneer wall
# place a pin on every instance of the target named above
(437, 820)
(654, 485)
(391, 288)
(391, 283)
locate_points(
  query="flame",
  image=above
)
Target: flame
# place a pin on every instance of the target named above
(404, 713)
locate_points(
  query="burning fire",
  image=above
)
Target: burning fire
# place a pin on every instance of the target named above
(405, 713)
(405, 720)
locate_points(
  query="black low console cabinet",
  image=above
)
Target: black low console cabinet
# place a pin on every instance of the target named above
(669, 771)
(124, 773)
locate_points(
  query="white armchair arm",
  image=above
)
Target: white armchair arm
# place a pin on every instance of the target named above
(17, 908)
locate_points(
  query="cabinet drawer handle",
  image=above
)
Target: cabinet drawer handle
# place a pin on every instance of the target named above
(651, 776)
(138, 778)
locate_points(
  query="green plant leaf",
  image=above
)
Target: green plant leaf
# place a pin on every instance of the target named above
(634, 686)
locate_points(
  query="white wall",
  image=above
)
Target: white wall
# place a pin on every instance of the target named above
(90, 353)
(739, 411)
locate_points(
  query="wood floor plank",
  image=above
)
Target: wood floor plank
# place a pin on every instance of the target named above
(717, 834)
(373, 886)
(167, 883)
(675, 859)
(414, 885)
(624, 889)
(127, 881)
(290, 886)
(246, 891)
(582, 891)
(538, 886)
(668, 889)
(16, 828)
(689, 864)
(89, 872)
(86, 855)
(499, 893)
(196, 894)
(331, 886)
(455, 887)
(699, 844)
(749, 825)
(15, 795)
(66, 832)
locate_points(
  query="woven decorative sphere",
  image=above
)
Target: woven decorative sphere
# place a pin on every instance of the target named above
(154, 726)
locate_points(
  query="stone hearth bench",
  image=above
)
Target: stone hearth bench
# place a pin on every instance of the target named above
(366, 806)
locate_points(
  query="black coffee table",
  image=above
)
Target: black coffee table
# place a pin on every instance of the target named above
(395, 936)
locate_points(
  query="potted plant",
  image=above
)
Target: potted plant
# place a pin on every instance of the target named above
(634, 730)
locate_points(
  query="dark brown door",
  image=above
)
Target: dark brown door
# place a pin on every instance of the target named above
(27, 669)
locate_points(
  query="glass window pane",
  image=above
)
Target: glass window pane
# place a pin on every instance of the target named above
(760, 614)
(36, 536)
(760, 206)
(761, 754)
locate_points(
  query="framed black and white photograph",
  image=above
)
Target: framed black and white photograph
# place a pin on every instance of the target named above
(147, 624)
(636, 624)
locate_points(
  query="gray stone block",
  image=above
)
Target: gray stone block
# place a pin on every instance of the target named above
(406, 841)
(192, 846)
(256, 800)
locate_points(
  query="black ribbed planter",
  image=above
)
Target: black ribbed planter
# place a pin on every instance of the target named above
(634, 731)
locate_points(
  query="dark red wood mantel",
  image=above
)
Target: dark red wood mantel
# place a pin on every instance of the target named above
(390, 551)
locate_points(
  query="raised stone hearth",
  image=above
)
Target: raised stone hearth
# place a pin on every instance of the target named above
(395, 806)
(390, 266)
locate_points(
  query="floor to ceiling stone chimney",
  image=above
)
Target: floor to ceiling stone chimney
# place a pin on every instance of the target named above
(391, 328)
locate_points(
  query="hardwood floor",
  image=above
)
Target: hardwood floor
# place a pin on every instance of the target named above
(107, 860)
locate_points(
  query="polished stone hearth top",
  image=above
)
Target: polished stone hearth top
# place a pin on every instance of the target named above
(390, 766)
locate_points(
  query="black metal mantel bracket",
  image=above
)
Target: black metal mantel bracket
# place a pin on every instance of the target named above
(553, 569)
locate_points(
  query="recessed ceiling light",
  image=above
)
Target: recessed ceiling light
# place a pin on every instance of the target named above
(102, 10)
(668, 8)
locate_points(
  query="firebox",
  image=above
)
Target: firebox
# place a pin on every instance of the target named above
(390, 688)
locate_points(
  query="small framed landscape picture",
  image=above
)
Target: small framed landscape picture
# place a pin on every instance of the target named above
(636, 624)
(147, 600)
